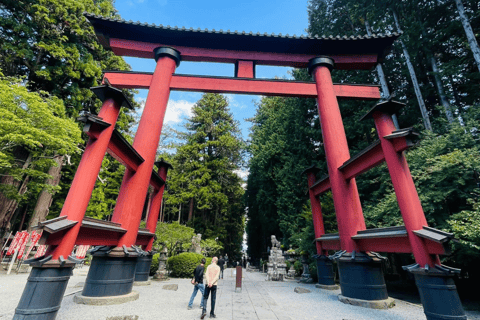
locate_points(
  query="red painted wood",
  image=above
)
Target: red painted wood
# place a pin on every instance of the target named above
(242, 86)
(397, 245)
(154, 212)
(407, 197)
(138, 49)
(245, 69)
(362, 164)
(371, 159)
(84, 181)
(316, 214)
(130, 202)
(345, 194)
(123, 155)
(322, 187)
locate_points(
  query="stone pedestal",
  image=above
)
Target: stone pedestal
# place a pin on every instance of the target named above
(276, 267)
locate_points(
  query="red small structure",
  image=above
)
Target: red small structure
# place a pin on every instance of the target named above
(360, 269)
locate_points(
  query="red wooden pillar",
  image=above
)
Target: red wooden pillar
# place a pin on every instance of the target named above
(316, 210)
(407, 196)
(82, 186)
(345, 194)
(156, 203)
(130, 202)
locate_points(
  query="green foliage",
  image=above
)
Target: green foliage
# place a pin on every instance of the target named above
(298, 266)
(174, 236)
(204, 177)
(155, 264)
(184, 264)
(211, 248)
(33, 127)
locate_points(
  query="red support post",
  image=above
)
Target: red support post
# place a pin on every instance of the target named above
(156, 203)
(407, 196)
(131, 198)
(345, 194)
(316, 211)
(82, 186)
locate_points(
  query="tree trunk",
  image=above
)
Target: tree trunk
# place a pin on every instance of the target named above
(436, 72)
(44, 199)
(7, 205)
(472, 41)
(179, 212)
(383, 79)
(190, 210)
(416, 87)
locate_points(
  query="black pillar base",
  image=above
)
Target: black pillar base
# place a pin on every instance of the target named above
(43, 293)
(438, 292)
(142, 270)
(325, 272)
(361, 275)
(111, 273)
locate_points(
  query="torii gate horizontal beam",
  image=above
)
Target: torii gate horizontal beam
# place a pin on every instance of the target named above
(131, 48)
(283, 88)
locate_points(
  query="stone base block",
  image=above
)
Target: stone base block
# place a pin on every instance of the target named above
(103, 301)
(372, 304)
(142, 283)
(327, 287)
(238, 290)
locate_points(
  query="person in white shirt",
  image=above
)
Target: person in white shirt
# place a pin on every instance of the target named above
(211, 277)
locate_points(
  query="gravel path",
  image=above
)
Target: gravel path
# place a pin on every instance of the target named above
(259, 299)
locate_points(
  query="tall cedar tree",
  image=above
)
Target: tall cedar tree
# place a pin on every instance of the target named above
(204, 188)
(54, 48)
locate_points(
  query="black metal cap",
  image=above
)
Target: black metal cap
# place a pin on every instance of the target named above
(106, 92)
(167, 52)
(163, 163)
(320, 61)
(312, 168)
(389, 106)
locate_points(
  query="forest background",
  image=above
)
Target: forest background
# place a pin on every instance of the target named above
(49, 57)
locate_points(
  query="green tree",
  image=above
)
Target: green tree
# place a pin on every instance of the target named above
(204, 188)
(54, 48)
(33, 127)
(174, 236)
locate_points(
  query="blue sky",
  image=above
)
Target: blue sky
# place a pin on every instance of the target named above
(280, 16)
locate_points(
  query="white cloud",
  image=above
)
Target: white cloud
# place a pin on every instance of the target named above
(178, 111)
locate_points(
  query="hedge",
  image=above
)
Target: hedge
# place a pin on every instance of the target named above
(184, 264)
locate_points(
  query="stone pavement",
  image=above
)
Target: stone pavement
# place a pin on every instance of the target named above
(259, 299)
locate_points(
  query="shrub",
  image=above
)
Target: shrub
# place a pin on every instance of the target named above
(183, 265)
(298, 268)
(154, 265)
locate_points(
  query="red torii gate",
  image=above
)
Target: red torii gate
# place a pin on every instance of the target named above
(171, 45)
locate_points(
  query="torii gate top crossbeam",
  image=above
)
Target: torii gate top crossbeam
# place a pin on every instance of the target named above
(127, 38)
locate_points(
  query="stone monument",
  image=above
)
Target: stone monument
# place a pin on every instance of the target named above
(162, 273)
(196, 248)
(276, 267)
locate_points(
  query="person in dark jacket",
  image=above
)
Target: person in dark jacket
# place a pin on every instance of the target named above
(197, 281)
(221, 263)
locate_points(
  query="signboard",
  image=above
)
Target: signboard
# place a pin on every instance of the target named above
(33, 242)
(13, 244)
(40, 251)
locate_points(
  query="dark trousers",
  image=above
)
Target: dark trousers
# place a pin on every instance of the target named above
(208, 289)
